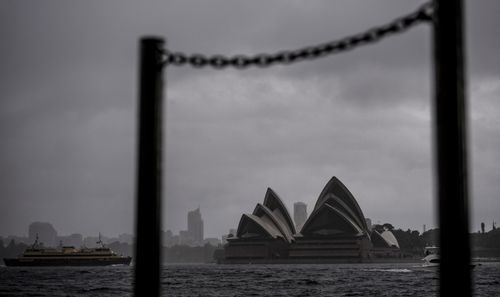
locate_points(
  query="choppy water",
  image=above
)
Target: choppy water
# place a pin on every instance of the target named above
(244, 280)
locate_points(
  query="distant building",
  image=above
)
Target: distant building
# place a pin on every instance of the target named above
(126, 238)
(46, 234)
(299, 214)
(212, 241)
(185, 238)
(169, 239)
(195, 226)
(90, 241)
(193, 236)
(176, 240)
(335, 232)
(17, 239)
(74, 239)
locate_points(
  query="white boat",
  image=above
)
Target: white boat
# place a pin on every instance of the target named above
(432, 257)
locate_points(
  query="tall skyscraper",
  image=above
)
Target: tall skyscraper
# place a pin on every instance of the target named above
(195, 226)
(299, 214)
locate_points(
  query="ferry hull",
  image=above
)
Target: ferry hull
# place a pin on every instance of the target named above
(67, 262)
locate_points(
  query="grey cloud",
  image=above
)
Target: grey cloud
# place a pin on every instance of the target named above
(68, 105)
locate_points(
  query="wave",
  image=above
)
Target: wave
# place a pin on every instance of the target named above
(397, 270)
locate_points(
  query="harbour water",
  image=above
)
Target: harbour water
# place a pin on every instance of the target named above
(400, 279)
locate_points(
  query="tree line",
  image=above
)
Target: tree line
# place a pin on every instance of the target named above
(412, 242)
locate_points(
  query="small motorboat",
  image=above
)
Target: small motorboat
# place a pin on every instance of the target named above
(432, 257)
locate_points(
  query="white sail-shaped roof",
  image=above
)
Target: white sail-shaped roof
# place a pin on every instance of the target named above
(329, 221)
(389, 237)
(274, 203)
(336, 188)
(377, 240)
(252, 226)
(337, 203)
(271, 218)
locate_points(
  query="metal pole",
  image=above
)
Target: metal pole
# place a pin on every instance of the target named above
(149, 170)
(451, 148)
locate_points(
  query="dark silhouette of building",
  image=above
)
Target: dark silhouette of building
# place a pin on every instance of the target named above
(299, 214)
(74, 239)
(195, 226)
(336, 231)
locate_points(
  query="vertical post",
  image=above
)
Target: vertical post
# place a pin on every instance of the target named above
(149, 170)
(451, 148)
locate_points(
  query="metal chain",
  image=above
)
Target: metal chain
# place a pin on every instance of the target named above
(399, 25)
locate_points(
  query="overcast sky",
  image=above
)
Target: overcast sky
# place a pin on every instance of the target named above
(68, 99)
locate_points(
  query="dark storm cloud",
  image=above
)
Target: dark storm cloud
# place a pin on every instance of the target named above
(67, 111)
(482, 46)
(291, 137)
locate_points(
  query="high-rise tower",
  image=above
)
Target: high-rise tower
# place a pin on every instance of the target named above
(195, 226)
(299, 214)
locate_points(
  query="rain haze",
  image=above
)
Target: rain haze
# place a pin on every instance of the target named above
(68, 106)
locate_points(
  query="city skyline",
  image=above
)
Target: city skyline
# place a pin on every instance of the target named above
(90, 239)
(195, 226)
(195, 216)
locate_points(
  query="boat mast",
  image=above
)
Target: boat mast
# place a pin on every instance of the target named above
(100, 241)
(35, 244)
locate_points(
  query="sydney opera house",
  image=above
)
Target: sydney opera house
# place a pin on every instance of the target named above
(335, 232)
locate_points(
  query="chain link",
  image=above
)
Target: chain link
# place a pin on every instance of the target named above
(399, 25)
